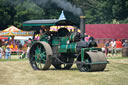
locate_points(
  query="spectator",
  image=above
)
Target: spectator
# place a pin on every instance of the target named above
(25, 44)
(125, 44)
(29, 44)
(20, 46)
(7, 52)
(118, 46)
(106, 48)
(3, 47)
(6, 43)
(113, 46)
(1, 52)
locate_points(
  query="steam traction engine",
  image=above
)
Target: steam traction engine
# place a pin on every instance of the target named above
(63, 48)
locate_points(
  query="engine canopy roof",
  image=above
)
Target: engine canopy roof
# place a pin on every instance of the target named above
(35, 24)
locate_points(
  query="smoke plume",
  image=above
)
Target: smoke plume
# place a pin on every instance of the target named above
(63, 4)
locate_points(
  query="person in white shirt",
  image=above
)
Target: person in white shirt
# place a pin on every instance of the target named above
(113, 46)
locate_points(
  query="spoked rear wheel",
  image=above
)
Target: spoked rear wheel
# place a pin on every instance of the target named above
(40, 56)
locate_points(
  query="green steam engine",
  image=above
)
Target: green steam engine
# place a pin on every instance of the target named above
(63, 48)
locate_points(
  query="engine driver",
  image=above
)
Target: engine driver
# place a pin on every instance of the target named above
(45, 33)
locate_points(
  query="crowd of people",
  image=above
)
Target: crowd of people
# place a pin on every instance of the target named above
(11, 45)
(115, 46)
(5, 51)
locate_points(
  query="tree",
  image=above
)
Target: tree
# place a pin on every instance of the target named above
(6, 14)
(15, 12)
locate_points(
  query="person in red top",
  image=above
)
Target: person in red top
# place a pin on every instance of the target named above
(118, 46)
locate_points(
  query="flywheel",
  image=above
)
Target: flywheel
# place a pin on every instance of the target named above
(40, 55)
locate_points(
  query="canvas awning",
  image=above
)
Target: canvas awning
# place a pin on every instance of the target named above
(13, 31)
(36, 24)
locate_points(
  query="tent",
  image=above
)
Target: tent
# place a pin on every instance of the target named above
(13, 31)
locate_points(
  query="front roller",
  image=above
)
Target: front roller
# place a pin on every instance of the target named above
(92, 61)
(40, 55)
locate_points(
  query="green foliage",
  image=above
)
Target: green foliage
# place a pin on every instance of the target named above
(14, 12)
(26, 11)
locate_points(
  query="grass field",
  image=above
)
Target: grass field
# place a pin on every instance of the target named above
(19, 72)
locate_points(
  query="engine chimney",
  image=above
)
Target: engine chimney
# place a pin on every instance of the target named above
(82, 25)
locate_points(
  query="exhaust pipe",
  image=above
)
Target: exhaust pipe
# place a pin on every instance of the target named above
(82, 25)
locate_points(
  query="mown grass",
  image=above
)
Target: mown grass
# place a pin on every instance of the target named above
(21, 73)
(4, 60)
(13, 58)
